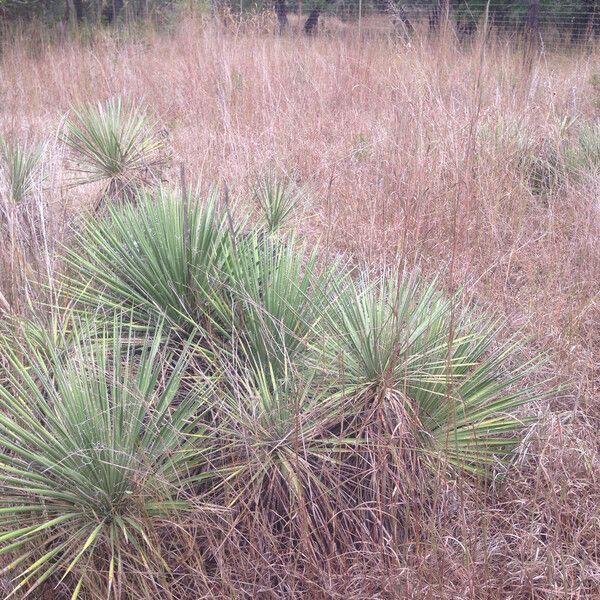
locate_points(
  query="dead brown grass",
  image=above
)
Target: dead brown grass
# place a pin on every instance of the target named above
(413, 153)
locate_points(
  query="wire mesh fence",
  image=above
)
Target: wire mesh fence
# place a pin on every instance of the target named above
(566, 22)
(549, 21)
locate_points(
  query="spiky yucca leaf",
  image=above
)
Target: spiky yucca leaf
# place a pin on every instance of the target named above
(97, 446)
(276, 201)
(18, 170)
(279, 294)
(116, 143)
(400, 339)
(163, 257)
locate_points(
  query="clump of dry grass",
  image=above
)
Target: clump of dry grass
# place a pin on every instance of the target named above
(437, 185)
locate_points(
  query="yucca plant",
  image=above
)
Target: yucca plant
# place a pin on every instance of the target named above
(162, 257)
(117, 144)
(276, 201)
(544, 170)
(328, 391)
(99, 446)
(277, 432)
(19, 167)
(403, 346)
(279, 294)
(584, 155)
(19, 175)
(395, 338)
(175, 257)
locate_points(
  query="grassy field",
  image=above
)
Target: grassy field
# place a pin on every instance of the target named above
(473, 164)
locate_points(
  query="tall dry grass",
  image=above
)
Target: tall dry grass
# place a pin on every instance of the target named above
(444, 158)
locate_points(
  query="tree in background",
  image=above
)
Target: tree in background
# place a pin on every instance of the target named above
(281, 12)
(53, 11)
(574, 20)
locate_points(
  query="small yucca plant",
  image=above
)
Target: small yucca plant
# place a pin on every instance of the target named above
(584, 155)
(277, 434)
(115, 143)
(19, 176)
(174, 258)
(19, 167)
(99, 445)
(276, 201)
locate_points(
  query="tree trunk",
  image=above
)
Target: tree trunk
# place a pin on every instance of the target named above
(533, 11)
(531, 27)
(312, 21)
(67, 14)
(399, 17)
(65, 19)
(531, 31)
(113, 10)
(310, 27)
(78, 4)
(281, 12)
(500, 17)
(402, 22)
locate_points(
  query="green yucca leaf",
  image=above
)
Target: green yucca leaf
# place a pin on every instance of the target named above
(276, 201)
(116, 143)
(18, 170)
(161, 258)
(280, 295)
(90, 436)
(401, 335)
